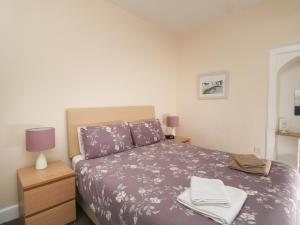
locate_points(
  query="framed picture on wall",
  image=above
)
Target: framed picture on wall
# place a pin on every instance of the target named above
(213, 85)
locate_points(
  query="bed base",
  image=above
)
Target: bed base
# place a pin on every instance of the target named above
(85, 207)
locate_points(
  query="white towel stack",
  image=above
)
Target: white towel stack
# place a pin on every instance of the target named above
(211, 198)
(208, 192)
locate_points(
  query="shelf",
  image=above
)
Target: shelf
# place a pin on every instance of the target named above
(289, 134)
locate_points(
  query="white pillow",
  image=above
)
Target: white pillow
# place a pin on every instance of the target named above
(80, 142)
(76, 159)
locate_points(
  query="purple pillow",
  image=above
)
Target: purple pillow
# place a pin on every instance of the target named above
(104, 140)
(146, 132)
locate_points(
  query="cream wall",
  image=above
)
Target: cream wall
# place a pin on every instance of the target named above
(238, 43)
(59, 54)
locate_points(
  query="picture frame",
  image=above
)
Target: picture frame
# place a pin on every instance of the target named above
(213, 85)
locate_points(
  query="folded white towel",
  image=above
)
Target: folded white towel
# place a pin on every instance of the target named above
(221, 215)
(208, 192)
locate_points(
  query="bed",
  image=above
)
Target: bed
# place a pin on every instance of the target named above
(140, 186)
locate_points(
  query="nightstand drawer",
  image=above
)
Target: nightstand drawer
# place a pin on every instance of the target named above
(58, 215)
(43, 197)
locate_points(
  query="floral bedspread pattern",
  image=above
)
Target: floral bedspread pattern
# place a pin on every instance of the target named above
(146, 132)
(140, 186)
(104, 140)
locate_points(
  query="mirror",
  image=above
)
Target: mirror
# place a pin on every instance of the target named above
(297, 103)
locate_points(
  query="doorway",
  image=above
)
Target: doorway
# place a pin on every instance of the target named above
(278, 58)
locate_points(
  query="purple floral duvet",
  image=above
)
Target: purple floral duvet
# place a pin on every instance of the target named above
(140, 186)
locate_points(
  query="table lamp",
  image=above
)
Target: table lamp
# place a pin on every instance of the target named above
(172, 123)
(39, 140)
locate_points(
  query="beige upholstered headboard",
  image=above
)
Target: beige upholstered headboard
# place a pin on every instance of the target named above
(91, 116)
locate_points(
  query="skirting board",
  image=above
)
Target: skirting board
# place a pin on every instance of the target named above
(9, 213)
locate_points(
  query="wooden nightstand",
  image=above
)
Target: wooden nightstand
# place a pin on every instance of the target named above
(47, 197)
(181, 139)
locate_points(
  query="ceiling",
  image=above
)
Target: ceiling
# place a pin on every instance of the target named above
(183, 15)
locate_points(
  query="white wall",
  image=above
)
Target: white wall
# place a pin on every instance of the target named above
(58, 54)
(289, 81)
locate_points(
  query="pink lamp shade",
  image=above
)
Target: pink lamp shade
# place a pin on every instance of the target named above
(40, 139)
(172, 121)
